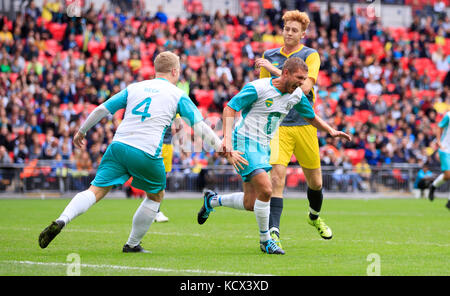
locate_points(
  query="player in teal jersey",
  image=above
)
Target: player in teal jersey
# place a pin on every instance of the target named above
(263, 103)
(150, 107)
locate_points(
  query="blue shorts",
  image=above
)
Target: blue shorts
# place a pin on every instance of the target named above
(445, 160)
(257, 155)
(122, 161)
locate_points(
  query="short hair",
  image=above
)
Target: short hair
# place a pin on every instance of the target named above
(166, 61)
(293, 64)
(297, 16)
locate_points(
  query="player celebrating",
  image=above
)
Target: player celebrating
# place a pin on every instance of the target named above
(264, 103)
(443, 141)
(295, 135)
(135, 151)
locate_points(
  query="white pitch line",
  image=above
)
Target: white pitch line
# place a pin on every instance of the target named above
(419, 243)
(121, 267)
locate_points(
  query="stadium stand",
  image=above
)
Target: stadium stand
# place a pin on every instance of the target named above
(387, 86)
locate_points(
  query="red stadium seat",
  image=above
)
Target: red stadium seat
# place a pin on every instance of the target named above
(41, 138)
(421, 64)
(52, 47)
(57, 30)
(332, 103)
(13, 77)
(442, 75)
(323, 80)
(254, 7)
(372, 98)
(136, 24)
(204, 97)
(388, 99)
(119, 114)
(147, 71)
(96, 48)
(362, 115)
(195, 62)
(78, 108)
(355, 155)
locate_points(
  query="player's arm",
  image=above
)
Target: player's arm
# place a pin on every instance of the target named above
(192, 116)
(267, 69)
(438, 137)
(320, 124)
(243, 99)
(441, 125)
(313, 63)
(307, 112)
(228, 116)
(116, 102)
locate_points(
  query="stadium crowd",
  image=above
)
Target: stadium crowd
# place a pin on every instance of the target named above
(388, 87)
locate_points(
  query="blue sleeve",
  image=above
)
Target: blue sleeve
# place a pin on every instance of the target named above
(244, 98)
(117, 102)
(305, 109)
(444, 121)
(420, 175)
(188, 111)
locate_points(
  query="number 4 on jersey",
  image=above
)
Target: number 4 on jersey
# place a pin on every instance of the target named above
(144, 113)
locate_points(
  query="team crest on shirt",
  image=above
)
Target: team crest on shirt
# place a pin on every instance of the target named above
(269, 103)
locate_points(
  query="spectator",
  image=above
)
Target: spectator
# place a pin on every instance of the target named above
(423, 180)
(161, 15)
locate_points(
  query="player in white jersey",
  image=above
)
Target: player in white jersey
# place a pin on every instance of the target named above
(150, 107)
(264, 103)
(443, 141)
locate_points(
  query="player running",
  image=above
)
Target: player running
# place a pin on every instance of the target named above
(150, 107)
(295, 135)
(443, 141)
(264, 103)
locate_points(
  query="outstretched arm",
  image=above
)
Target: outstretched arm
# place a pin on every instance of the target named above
(191, 115)
(116, 102)
(438, 137)
(93, 118)
(320, 124)
(305, 109)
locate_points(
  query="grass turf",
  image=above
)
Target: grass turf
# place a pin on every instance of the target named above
(412, 237)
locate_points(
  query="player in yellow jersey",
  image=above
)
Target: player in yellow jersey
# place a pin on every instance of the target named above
(295, 135)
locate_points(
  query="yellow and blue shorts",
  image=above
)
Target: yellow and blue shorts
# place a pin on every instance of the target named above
(167, 155)
(122, 161)
(301, 141)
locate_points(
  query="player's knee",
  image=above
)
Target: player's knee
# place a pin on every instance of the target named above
(249, 207)
(315, 185)
(265, 193)
(447, 175)
(157, 197)
(277, 181)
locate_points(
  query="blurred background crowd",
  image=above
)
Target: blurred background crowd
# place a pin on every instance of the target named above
(387, 86)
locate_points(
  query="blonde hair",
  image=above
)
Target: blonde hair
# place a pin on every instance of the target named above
(293, 64)
(297, 16)
(166, 61)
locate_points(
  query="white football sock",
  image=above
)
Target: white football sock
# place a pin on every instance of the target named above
(439, 181)
(142, 220)
(233, 200)
(79, 204)
(262, 212)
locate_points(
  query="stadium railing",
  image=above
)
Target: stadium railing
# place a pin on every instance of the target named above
(63, 176)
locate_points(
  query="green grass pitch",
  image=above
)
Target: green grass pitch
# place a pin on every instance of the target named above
(411, 237)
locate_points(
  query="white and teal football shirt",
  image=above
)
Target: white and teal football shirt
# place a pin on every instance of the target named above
(150, 107)
(445, 137)
(264, 107)
(444, 152)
